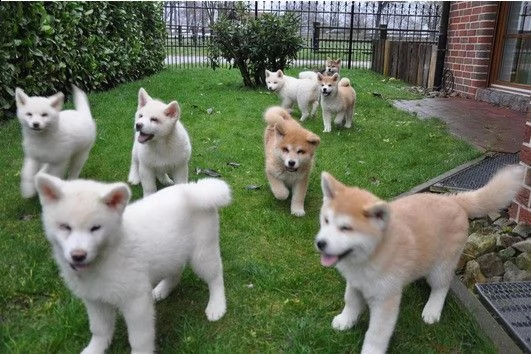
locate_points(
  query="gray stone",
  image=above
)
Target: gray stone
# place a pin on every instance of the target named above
(478, 244)
(503, 223)
(494, 215)
(490, 264)
(523, 261)
(523, 230)
(513, 273)
(505, 240)
(507, 253)
(523, 246)
(473, 275)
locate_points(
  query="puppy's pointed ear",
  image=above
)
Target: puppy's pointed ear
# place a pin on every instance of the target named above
(335, 77)
(173, 110)
(20, 97)
(267, 73)
(143, 98)
(329, 185)
(280, 130)
(57, 100)
(48, 187)
(319, 76)
(378, 214)
(117, 196)
(280, 73)
(313, 139)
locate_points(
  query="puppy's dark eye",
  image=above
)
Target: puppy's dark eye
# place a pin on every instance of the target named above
(65, 227)
(284, 149)
(325, 220)
(45, 114)
(29, 114)
(301, 152)
(140, 115)
(95, 228)
(154, 120)
(345, 228)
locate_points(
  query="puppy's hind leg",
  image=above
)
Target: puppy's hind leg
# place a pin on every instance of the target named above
(439, 280)
(148, 180)
(206, 263)
(76, 164)
(166, 285)
(180, 174)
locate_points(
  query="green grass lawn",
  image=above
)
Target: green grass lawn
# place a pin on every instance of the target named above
(279, 297)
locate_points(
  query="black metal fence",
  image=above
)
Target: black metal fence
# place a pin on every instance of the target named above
(335, 29)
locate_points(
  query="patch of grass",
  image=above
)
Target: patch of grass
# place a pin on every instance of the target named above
(279, 298)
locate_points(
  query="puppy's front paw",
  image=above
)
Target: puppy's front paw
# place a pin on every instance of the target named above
(429, 316)
(342, 322)
(280, 193)
(133, 179)
(298, 211)
(215, 311)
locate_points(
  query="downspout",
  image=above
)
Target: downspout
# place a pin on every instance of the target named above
(441, 45)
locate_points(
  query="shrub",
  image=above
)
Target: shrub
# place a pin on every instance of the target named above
(47, 46)
(255, 44)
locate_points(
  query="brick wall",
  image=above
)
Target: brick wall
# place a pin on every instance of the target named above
(520, 209)
(471, 31)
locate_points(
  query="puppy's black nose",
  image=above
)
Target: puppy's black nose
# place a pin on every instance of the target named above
(321, 245)
(139, 126)
(36, 125)
(79, 256)
(291, 163)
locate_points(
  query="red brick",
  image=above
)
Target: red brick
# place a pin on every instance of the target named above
(524, 215)
(527, 136)
(522, 196)
(525, 154)
(528, 177)
(513, 211)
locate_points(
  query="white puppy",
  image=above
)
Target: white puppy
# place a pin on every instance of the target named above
(162, 146)
(111, 254)
(303, 91)
(54, 140)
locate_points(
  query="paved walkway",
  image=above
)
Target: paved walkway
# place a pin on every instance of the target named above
(490, 128)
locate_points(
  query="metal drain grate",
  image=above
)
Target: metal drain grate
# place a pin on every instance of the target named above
(475, 176)
(511, 303)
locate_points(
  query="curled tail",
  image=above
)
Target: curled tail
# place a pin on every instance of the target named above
(81, 101)
(345, 82)
(496, 194)
(276, 114)
(208, 193)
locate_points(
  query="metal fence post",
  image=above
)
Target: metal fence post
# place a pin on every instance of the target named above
(383, 32)
(315, 40)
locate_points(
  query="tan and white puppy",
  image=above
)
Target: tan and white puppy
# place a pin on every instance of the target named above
(289, 157)
(162, 148)
(303, 91)
(332, 66)
(55, 140)
(338, 98)
(379, 247)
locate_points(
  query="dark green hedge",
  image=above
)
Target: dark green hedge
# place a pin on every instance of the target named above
(47, 46)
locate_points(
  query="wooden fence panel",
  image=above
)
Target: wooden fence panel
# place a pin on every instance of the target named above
(412, 62)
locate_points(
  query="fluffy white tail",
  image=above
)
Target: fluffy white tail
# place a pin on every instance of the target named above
(496, 194)
(208, 193)
(81, 101)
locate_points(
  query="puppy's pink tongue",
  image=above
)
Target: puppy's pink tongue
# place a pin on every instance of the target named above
(328, 261)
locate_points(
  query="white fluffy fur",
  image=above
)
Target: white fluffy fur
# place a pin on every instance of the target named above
(167, 149)
(303, 91)
(53, 140)
(121, 257)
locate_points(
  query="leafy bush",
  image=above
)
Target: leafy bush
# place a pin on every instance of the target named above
(47, 46)
(255, 44)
